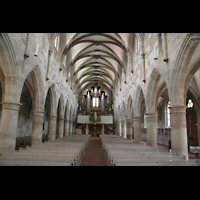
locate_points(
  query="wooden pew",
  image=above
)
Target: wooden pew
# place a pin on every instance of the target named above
(32, 163)
(67, 151)
(194, 150)
(163, 163)
(149, 159)
(40, 157)
(119, 152)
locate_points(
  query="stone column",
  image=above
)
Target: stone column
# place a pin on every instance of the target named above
(88, 103)
(119, 128)
(60, 127)
(8, 127)
(74, 127)
(70, 127)
(103, 104)
(137, 128)
(123, 128)
(116, 127)
(151, 120)
(179, 130)
(52, 127)
(87, 129)
(129, 125)
(102, 129)
(37, 127)
(198, 126)
(66, 127)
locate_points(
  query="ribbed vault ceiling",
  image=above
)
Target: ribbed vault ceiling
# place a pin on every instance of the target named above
(96, 57)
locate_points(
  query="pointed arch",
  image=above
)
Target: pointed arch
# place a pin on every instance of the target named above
(190, 75)
(34, 83)
(123, 111)
(66, 112)
(152, 91)
(139, 98)
(180, 71)
(2, 81)
(130, 108)
(118, 113)
(70, 113)
(51, 93)
(9, 67)
(61, 110)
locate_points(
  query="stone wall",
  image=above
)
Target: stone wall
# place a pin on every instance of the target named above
(182, 51)
(16, 71)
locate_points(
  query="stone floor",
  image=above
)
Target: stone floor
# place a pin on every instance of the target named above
(94, 154)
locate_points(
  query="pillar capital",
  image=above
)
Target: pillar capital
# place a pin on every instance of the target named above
(137, 118)
(52, 116)
(177, 109)
(61, 118)
(129, 120)
(11, 105)
(151, 116)
(38, 113)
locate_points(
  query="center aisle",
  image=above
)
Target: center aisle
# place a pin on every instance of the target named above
(94, 154)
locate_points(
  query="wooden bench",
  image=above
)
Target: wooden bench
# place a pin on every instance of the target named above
(163, 163)
(67, 151)
(121, 153)
(194, 150)
(77, 153)
(32, 163)
(146, 159)
(40, 157)
(139, 156)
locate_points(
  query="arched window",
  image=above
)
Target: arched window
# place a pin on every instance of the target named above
(137, 45)
(56, 42)
(64, 61)
(159, 42)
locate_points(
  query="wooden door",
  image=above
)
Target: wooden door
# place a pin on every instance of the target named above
(193, 129)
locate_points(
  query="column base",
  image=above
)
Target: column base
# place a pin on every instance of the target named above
(151, 129)
(8, 128)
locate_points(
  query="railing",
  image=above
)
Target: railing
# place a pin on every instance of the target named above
(160, 131)
(92, 118)
(164, 131)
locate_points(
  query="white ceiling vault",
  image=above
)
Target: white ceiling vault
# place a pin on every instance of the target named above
(97, 57)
